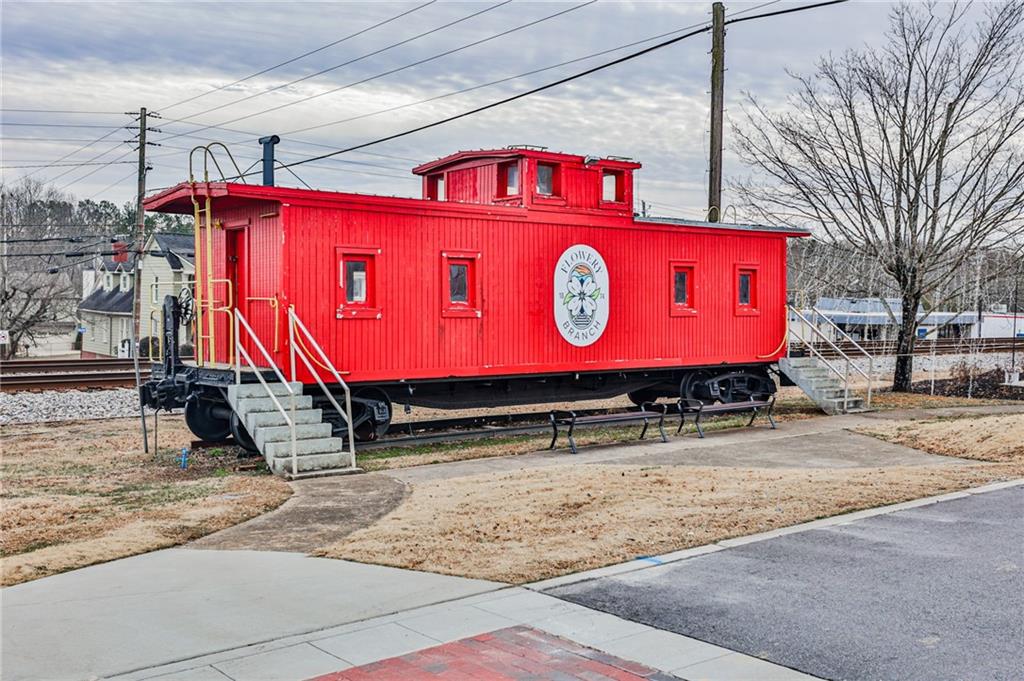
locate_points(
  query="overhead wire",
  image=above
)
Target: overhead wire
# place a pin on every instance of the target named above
(343, 64)
(562, 81)
(301, 56)
(414, 64)
(481, 86)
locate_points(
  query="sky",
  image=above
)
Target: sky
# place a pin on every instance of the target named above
(109, 58)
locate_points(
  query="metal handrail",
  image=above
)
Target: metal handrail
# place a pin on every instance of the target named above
(828, 341)
(871, 358)
(241, 352)
(295, 323)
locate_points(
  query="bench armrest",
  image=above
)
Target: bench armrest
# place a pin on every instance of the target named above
(655, 407)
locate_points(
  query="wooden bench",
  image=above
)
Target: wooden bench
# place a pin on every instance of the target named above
(699, 410)
(648, 410)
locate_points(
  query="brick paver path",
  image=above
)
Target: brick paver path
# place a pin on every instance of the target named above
(513, 654)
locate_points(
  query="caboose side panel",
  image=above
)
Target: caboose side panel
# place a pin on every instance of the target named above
(404, 325)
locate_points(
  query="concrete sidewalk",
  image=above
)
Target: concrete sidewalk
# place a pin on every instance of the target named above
(382, 638)
(178, 604)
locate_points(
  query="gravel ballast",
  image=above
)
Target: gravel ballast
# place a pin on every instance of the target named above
(67, 405)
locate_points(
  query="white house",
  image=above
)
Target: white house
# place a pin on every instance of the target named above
(166, 266)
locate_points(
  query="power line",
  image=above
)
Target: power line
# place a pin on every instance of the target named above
(59, 165)
(562, 81)
(65, 111)
(55, 125)
(338, 66)
(493, 82)
(82, 148)
(110, 186)
(415, 64)
(49, 139)
(94, 171)
(301, 56)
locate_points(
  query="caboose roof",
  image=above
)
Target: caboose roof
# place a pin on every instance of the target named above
(178, 199)
(540, 154)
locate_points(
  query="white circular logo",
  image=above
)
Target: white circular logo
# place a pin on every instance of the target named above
(581, 295)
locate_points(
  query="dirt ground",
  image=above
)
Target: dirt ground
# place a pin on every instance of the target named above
(987, 438)
(80, 493)
(529, 525)
(532, 524)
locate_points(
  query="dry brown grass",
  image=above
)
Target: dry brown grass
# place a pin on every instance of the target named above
(80, 493)
(987, 438)
(528, 525)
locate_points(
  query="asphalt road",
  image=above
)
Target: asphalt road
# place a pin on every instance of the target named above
(930, 593)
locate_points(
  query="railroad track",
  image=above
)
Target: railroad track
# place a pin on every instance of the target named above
(942, 346)
(68, 381)
(52, 366)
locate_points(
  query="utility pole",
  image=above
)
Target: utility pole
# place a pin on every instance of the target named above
(140, 231)
(717, 104)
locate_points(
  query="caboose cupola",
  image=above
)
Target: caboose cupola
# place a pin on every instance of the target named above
(531, 177)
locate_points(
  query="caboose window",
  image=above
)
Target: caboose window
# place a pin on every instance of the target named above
(613, 186)
(435, 187)
(682, 293)
(546, 179)
(682, 289)
(508, 179)
(459, 277)
(356, 296)
(355, 281)
(746, 290)
(458, 282)
(745, 283)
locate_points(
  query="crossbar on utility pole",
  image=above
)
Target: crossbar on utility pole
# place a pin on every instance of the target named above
(140, 231)
(717, 105)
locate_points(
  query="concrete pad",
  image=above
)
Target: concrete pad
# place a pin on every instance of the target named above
(836, 449)
(378, 643)
(526, 606)
(320, 511)
(663, 650)
(452, 622)
(590, 627)
(180, 603)
(294, 663)
(197, 674)
(737, 667)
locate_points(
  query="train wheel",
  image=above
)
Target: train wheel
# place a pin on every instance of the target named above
(202, 419)
(690, 387)
(241, 435)
(638, 397)
(375, 428)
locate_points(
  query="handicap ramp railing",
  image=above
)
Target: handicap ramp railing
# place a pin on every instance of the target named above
(807, 344)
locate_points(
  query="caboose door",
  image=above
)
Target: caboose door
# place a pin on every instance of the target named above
(236, 268)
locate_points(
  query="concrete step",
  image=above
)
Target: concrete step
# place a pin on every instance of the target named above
(306, 431)
(837, 406)
(248, 390)
(822, 383)
(266, 419)
(282, 465)
(827, 394)
(320, 445)
(799, 362)
(253, 405)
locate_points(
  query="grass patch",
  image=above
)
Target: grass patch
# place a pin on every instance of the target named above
(79, 493)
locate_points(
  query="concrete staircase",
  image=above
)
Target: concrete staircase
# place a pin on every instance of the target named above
(820, 384)
(317, 452)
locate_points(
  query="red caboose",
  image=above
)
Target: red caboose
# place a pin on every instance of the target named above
(520, 276)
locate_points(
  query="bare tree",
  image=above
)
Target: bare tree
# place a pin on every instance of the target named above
(909, 155)
(35, 290)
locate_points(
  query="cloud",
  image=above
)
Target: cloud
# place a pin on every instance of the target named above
(119, 56)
